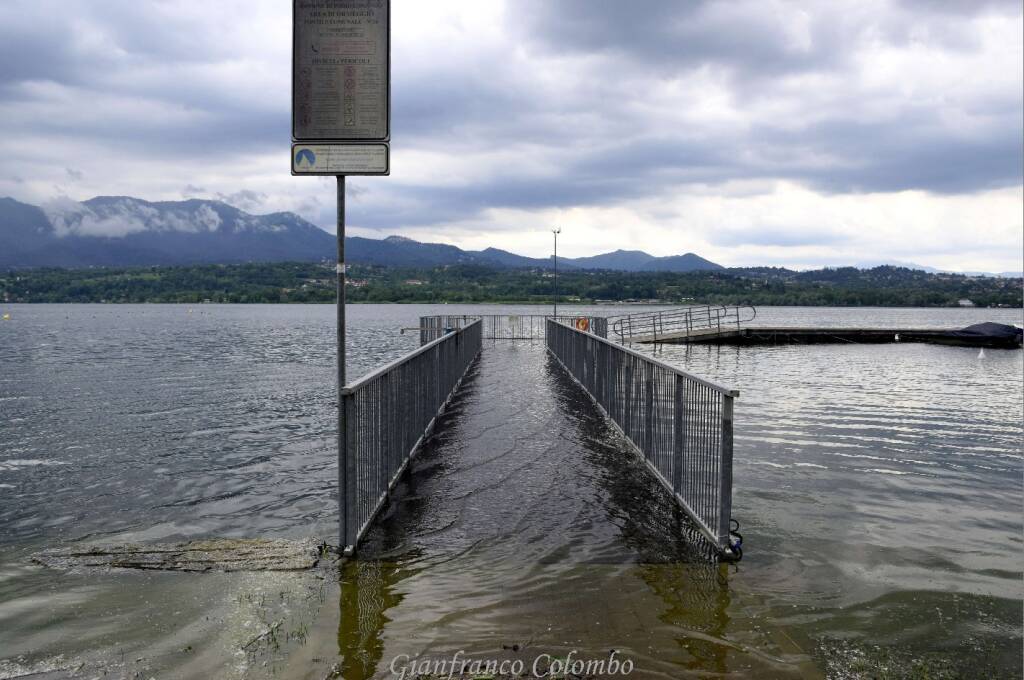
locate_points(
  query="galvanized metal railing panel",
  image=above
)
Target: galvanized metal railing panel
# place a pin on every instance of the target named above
(679, 323)
(506, 326)
(388, 413)
(680, 424)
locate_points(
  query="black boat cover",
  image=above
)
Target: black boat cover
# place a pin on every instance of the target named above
(995, 331)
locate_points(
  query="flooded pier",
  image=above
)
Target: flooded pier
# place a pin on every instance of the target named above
(527, 503)
(680, 426)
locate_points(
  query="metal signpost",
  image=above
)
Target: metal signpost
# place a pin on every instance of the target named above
(341, 125)
(556, 231)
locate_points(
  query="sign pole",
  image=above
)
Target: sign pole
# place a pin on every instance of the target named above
(341, 126)
(556, 232)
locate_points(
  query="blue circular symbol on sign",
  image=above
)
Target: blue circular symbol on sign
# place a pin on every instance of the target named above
(306, 154)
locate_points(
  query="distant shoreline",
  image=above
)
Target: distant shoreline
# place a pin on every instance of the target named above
(539, 305)
(308, 282)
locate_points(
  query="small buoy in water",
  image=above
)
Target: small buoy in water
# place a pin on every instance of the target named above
(190, 311)
(981, 353)
(7, 317)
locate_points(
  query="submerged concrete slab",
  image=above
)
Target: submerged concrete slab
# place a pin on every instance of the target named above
(216, 554)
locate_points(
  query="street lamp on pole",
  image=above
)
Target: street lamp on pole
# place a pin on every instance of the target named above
(556, 231)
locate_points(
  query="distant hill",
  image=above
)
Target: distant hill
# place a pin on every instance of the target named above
(639, 261)
(121, 231)
(398, 251)
(932, 270)
(506, 259)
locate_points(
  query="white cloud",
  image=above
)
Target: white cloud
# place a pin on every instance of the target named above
(70, 217)
(123, 216)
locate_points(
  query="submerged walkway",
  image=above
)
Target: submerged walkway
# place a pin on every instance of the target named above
(527, 526)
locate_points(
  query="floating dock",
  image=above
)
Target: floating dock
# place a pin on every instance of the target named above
(727, 326)
(817, 336)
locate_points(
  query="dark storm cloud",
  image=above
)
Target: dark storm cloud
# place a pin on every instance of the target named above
(457, 101)
(755, 45)
(959, 8)
(136, 130)
(753, 38)
(669, 34)
(139, 77)
(885, 158)
(83, 43)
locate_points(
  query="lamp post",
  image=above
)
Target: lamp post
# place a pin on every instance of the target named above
(556, 231)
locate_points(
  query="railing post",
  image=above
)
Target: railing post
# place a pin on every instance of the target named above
(679, 413)
(385, 448)
(648, 416)
(629, 399)
(590, 365)
(607, 384)
(602, 370)
(343, 508)
(349, 504)
(725, 490)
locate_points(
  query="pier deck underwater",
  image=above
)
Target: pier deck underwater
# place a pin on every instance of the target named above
(530, 459)
(525, 492)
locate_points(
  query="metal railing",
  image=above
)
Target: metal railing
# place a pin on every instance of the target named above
(681, 425)
(388, 413)
(507, 326)
(680, 323)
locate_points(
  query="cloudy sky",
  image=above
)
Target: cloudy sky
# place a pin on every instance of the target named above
(792, 133)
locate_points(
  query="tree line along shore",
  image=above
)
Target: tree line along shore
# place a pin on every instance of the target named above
(304, 282)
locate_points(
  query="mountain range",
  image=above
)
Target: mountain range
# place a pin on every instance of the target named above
(120, 231)
(124, 231)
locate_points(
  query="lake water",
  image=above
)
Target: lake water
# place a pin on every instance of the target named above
(879, 489)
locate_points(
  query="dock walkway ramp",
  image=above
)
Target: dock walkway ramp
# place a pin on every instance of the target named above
(680, 324)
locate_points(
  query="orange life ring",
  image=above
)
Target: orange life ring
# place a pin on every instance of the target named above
(583, 324)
